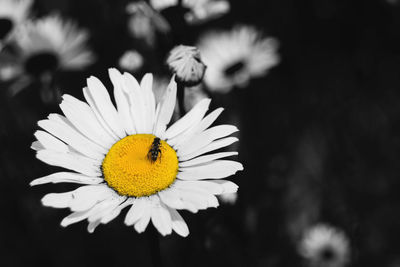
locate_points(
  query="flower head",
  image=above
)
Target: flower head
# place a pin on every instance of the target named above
(126, 156)
(323, 245)
(51, 43)
(131, 61)
(12, 14)
(186, 63)
(45, 46)
(234, 57)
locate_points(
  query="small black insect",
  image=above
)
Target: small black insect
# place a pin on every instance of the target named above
(154, 150)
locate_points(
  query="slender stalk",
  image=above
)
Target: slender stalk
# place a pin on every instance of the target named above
(181, 98)
(154, 246)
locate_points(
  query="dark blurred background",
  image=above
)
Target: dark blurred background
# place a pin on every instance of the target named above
(319, 139)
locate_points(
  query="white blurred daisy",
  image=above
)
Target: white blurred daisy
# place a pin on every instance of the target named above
(45, 46)
(115, 153)
(12, 14)
(323, 245)
(234, 57)
(131, 61)
(54, 43)
(197, 11)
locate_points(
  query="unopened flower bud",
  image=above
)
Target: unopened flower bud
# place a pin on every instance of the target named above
(186, 63)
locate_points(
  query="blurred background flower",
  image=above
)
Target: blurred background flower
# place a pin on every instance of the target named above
(13, 13)
(234, 57)
(43, 47)
(323, 245)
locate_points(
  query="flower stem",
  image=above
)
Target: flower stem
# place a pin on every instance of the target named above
(181, 98)
(154, 246)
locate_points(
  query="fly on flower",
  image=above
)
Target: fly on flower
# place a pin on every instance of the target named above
(155, 151)
(106, 149)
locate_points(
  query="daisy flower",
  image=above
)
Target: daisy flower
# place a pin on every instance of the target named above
(126, 156)
(45, 46)
(12, 14)
(234, 57)
(52, 42)
(323, 245)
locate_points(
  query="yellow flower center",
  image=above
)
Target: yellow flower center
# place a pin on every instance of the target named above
(135, 167)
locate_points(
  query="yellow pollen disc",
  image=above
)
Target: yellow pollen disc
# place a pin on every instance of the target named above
(128, 169)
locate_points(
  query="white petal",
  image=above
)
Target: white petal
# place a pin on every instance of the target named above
(214, 170)
(197, 199)
(50, 142)
(57, 200)
(36, 145)
(191, 118)
(67, 177)
(104, 106)
(229, 187)
(144, 220)
(82, 117)
(70, 161)
(206, 159)
(204, 138)
(201, 198)
(116, 211)
(86, 197)
(211, 147)
(57, 126)
(202, 186)
(75, 217)
(178, 224)
(104, 208)
(137, 108)
(171, 198)
(92, 226)
(136, 211)
(96, 112)
(122, 102)
(166, 111)
(161, 219)
(196, 128)
(149, 102)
